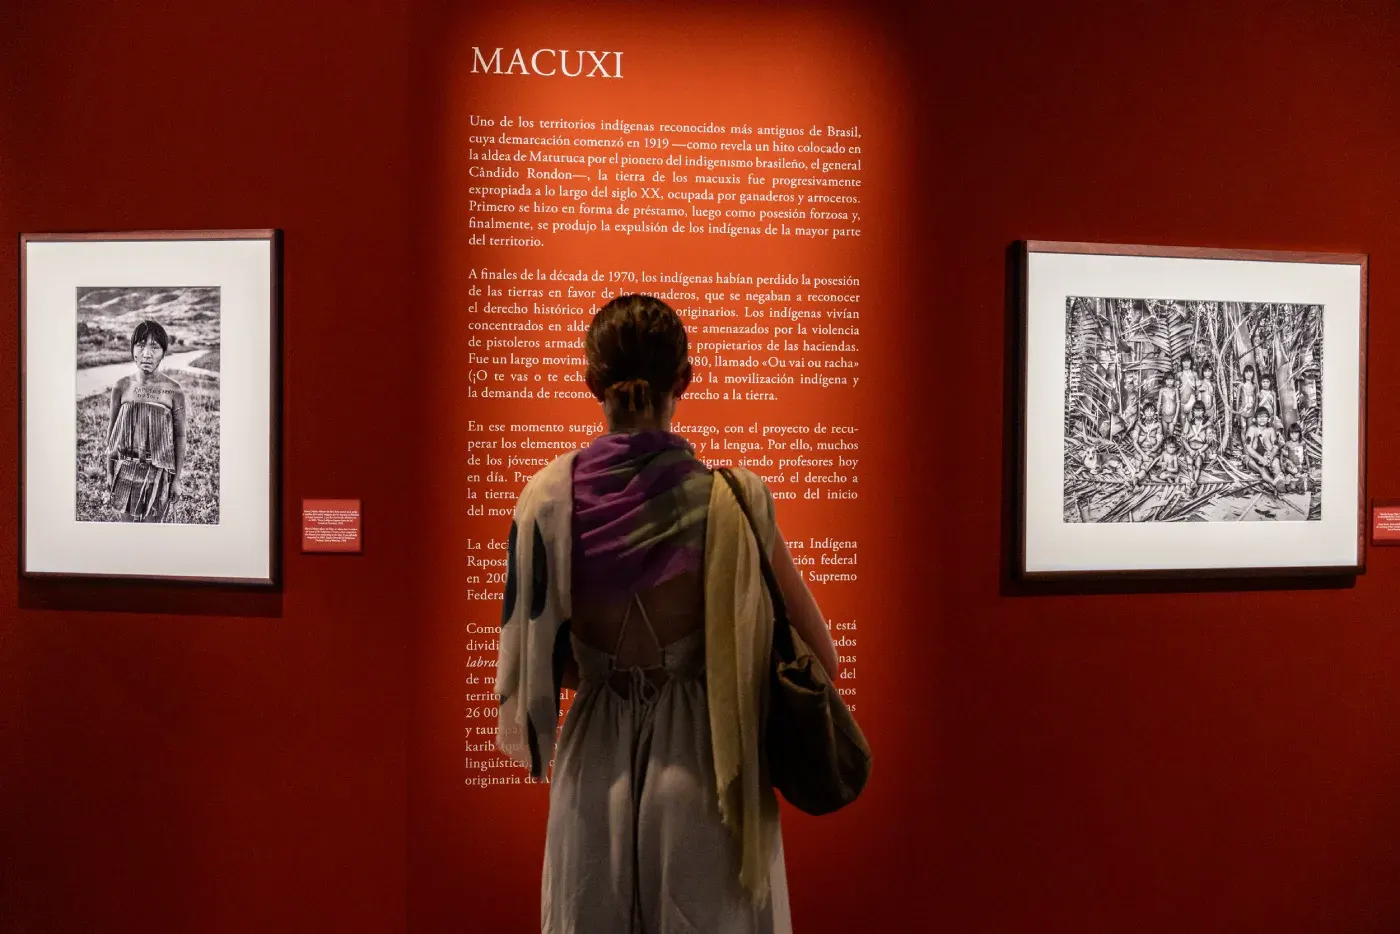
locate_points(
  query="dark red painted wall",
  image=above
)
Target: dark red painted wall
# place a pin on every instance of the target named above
(176, 760)
(1216, 761)
(189, 760)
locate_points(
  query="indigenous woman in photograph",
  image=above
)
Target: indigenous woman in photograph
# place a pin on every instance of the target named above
(633, 576)
(146, 433)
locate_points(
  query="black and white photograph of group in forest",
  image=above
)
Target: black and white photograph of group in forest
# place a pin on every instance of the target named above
(1192, 411)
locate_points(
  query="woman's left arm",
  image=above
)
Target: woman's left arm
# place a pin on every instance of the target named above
(114, 409)
(178, 408)
(803, 613)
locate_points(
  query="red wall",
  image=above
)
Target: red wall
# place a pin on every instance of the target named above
(188, 760)
(1155, 761)
(1126, 760)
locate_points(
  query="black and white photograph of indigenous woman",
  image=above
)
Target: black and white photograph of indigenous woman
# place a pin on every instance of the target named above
(1192, 411)
(148, 404)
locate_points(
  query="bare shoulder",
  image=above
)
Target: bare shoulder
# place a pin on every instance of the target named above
(122, 384)
(173, 390)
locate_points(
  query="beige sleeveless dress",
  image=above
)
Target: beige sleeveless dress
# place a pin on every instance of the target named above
(635, 844)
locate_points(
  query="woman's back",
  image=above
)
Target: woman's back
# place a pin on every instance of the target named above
(612, 555)
(623, 624)
(635, 842)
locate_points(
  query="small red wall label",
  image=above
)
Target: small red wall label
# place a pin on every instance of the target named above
(1385, 522)
(330, 525)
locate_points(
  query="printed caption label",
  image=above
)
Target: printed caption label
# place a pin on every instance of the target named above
(1385, 522)
(330, 526)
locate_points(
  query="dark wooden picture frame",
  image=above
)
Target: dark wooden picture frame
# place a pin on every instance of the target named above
(1020, 281)
(273, 238)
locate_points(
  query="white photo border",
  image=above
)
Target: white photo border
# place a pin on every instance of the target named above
(1051, 547)
(243, 548)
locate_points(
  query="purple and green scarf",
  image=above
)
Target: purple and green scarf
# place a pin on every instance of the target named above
(640, 503)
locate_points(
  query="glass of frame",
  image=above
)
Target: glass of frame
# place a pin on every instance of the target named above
(1191, 411)
(149, 398)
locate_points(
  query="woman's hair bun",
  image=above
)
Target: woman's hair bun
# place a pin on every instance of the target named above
(636, 350)
(631, 395)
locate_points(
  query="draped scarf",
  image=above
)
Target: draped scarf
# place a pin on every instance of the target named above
(639, 512)
(626, 513)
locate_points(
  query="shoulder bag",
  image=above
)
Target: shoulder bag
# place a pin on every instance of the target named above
(817, 756)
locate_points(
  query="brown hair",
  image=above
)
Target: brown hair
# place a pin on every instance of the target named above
(636, 350)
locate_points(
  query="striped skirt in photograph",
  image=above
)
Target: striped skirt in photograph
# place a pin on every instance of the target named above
(141, 491)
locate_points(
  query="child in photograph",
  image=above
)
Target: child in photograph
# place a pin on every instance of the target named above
(1268, 398)
(1246, 399)
(1261, 446)
(146, 433)
(1295, 457)
(1168, 402)
(1205, 391)
(1188, 382)
(1166, 466)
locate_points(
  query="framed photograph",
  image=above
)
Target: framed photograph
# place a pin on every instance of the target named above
(150, 400)
(1191, 411)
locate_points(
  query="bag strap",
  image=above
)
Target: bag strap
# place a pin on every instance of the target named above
(782, 630)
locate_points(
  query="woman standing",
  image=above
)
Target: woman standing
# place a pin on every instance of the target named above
(146, 433)
(633, 576)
